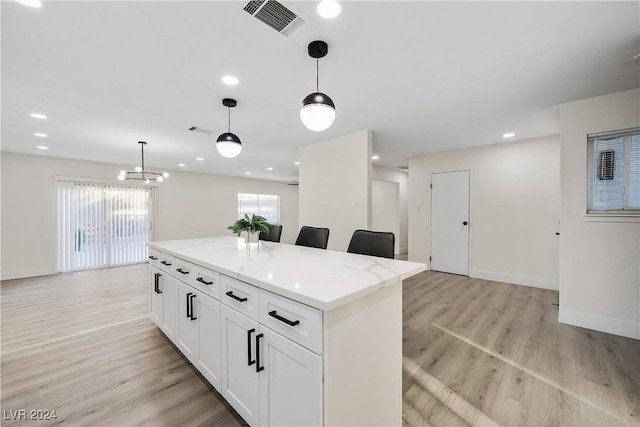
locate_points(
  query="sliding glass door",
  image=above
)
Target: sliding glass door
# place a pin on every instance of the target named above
(102, 225)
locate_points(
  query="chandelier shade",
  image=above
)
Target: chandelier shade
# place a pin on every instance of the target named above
(140, 174)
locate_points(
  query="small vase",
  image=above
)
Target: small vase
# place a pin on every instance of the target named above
(250, 238)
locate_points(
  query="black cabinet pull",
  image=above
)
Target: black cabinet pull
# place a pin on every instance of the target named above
(465, 223)
(179, 270)
(189, 305)
(201, 280)
(192, 317)
(282, 319)
(157, 283)
(258, 367)
(153, 257)
(165, 263)
(249, 361)
(237, 298)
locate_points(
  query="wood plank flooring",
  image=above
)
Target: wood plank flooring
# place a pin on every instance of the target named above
(475, 353)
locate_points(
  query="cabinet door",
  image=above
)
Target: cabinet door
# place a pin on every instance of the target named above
(155, 295)
(208, 348)
(169, 305)
(240, 381)
(290, 383)
(187, 325)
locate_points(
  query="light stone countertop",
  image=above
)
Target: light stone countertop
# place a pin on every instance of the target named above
(320, 278)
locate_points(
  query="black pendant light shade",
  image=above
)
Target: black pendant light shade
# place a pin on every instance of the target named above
(228, 144)
(318, 98)
(318, 110)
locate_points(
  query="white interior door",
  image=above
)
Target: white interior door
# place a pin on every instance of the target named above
(450, 222)
(385, 208)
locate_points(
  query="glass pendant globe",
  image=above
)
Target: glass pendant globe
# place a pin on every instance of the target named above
(121, 177)
(317, 117)
(228, 149)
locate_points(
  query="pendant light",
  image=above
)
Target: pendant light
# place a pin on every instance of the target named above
(318, 111)
(140, 174)
(228, 144)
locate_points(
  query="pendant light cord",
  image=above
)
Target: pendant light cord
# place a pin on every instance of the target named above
(142, 146)
(317, 74)
(229, 123)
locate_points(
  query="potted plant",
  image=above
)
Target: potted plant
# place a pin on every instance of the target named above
(250, 226)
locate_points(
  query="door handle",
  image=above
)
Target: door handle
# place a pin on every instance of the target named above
(157, 283)
(249, 361)
(189, 305)
(258, 367)
(192, 317)
(465, 223)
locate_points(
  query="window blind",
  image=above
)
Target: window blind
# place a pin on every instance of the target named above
(102, 225)
(613, 172)
(265, 205)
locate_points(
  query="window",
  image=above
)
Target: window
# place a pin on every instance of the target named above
(614, 172)
(102, 225)
(265, 205)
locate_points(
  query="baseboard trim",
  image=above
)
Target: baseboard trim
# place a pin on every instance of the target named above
(23, 274)
(595, 322)
(515, 279)
(404, 251)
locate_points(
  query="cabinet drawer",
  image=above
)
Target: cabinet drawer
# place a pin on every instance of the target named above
(298, 322)
(205, 280)
(166, 263)
(241, 296)
(182, 270)
(154, 258)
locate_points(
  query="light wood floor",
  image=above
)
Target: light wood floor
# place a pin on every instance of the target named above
(475, 353)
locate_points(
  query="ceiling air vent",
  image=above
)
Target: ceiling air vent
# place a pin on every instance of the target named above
(275, 15)
(197, 129)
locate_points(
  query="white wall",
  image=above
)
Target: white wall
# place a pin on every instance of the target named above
(599, 261)
(402, 178)
(514, 209)
(189, 205)
(335, 186)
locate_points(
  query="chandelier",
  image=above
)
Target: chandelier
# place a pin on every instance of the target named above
(140, 174)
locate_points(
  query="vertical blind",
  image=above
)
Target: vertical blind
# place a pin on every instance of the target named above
(613, 171)
(102, 225)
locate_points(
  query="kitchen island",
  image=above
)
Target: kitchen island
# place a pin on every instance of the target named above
(289, 335)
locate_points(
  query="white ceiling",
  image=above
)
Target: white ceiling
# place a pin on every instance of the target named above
(424, 76)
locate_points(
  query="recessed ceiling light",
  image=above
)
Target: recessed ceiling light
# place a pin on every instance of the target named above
(30, 3)
(181, 165)
(508, 135)
(247, 173)
(38, 116)
(269, 169)
(375, 157)
(41, 135)
(42, 147)
(296, 163)
(230, 80)
(329, 9)
(199, 159)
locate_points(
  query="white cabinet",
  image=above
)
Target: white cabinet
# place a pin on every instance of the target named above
(240, 380)
(187, 331)
(290, 383)
(162, 289)
(198, 332)
(267, 378)
(155, 296)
